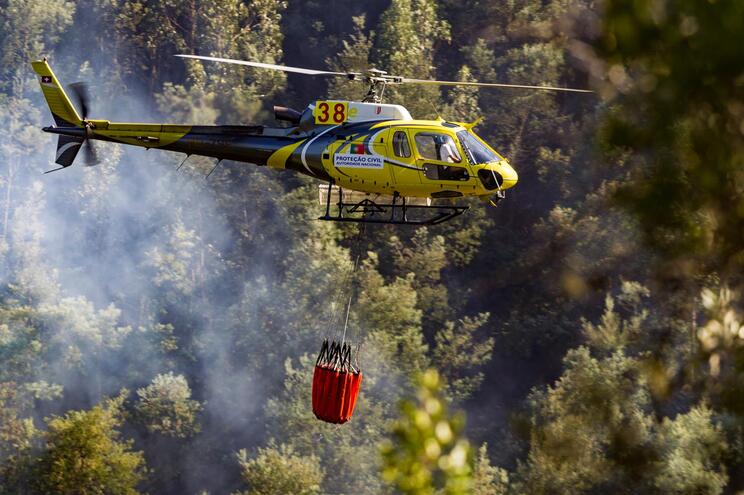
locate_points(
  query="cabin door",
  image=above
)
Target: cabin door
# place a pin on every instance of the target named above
(402, 159)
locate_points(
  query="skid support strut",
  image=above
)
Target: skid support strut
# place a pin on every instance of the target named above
(396, 212)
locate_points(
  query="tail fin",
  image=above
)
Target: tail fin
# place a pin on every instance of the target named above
(67, 150)
(59, 103)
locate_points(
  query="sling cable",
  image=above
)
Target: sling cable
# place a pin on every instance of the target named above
(337, 377)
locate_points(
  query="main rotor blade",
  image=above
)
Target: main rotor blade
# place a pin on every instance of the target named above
(490, 85)
(285, 68)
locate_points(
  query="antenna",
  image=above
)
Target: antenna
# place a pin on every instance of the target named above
(184, 161)
(215, 166)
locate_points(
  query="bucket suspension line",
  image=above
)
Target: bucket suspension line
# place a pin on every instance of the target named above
(337, 376)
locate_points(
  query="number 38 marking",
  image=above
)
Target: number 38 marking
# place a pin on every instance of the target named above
(331, 112)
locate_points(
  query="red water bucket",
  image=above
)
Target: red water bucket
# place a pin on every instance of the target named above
(336, 384)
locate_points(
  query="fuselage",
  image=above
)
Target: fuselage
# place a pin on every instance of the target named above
(368, 147)
(403, 156)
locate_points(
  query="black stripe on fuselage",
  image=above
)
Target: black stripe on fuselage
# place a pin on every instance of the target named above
(238, 143)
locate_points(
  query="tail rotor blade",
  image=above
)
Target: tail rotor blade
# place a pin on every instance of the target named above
(90, 154)
(80, 93)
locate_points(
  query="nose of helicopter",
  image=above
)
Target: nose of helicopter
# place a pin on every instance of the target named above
(498, 175)
(508, 173)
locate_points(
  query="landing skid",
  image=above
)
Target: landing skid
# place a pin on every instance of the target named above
(395, 213)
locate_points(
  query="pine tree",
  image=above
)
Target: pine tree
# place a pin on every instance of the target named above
(165, 406)
(488, 479)
(353, 57)
(278, 469)
(409, 32)
(84, 455)
(676, 110)
(27, 30)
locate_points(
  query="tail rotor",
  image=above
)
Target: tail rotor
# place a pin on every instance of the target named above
(79, 92)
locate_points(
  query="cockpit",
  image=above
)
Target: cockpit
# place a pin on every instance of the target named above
(477, 152)
(456, 154)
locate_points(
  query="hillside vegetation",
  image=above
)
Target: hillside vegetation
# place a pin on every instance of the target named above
(158, 330)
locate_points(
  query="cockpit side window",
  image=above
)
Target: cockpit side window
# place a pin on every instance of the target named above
(401, 146)
(440, 147)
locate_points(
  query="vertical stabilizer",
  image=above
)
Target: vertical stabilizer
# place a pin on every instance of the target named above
(59, 103)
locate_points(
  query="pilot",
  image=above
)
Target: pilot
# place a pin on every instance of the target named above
(448, 154)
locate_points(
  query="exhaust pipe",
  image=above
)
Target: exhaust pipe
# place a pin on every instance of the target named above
(287, 114)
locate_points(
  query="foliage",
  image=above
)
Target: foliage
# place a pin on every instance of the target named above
(426, 453)
(353, 57)
(590, 427)
(17, 436)
(425, 257)
(488, 479)
(676, 73)
(165, 406)
(84, 455)
(458, 355)
(692, 448)
(27, 29)
(408, 33)
(278, 469)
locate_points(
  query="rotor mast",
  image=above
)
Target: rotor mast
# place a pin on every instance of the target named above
(377, 80)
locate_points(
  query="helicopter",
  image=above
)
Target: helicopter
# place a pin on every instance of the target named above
(378, 162)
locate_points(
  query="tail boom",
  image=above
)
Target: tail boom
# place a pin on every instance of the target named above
(272, 146)
(251, 144)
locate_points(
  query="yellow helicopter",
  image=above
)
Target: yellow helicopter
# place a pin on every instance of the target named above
(380, 164)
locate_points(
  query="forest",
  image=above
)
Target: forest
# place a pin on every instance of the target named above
(158, 329)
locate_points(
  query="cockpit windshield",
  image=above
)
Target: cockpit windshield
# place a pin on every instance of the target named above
(477, 152)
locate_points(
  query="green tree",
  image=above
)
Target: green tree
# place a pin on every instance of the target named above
(673, 76)
(463, 103)
(426, 452)
(692, 450)
(154, 31)
(27, 30)
(17, 436)
(594, 429)
(387, 315)
(409, 31)
(277, 470)
(488, 479)
(425, 257)
(353, 57)
(591, 429)
(84, 455)
(80, 334)
(459, 355)
(165, 406)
